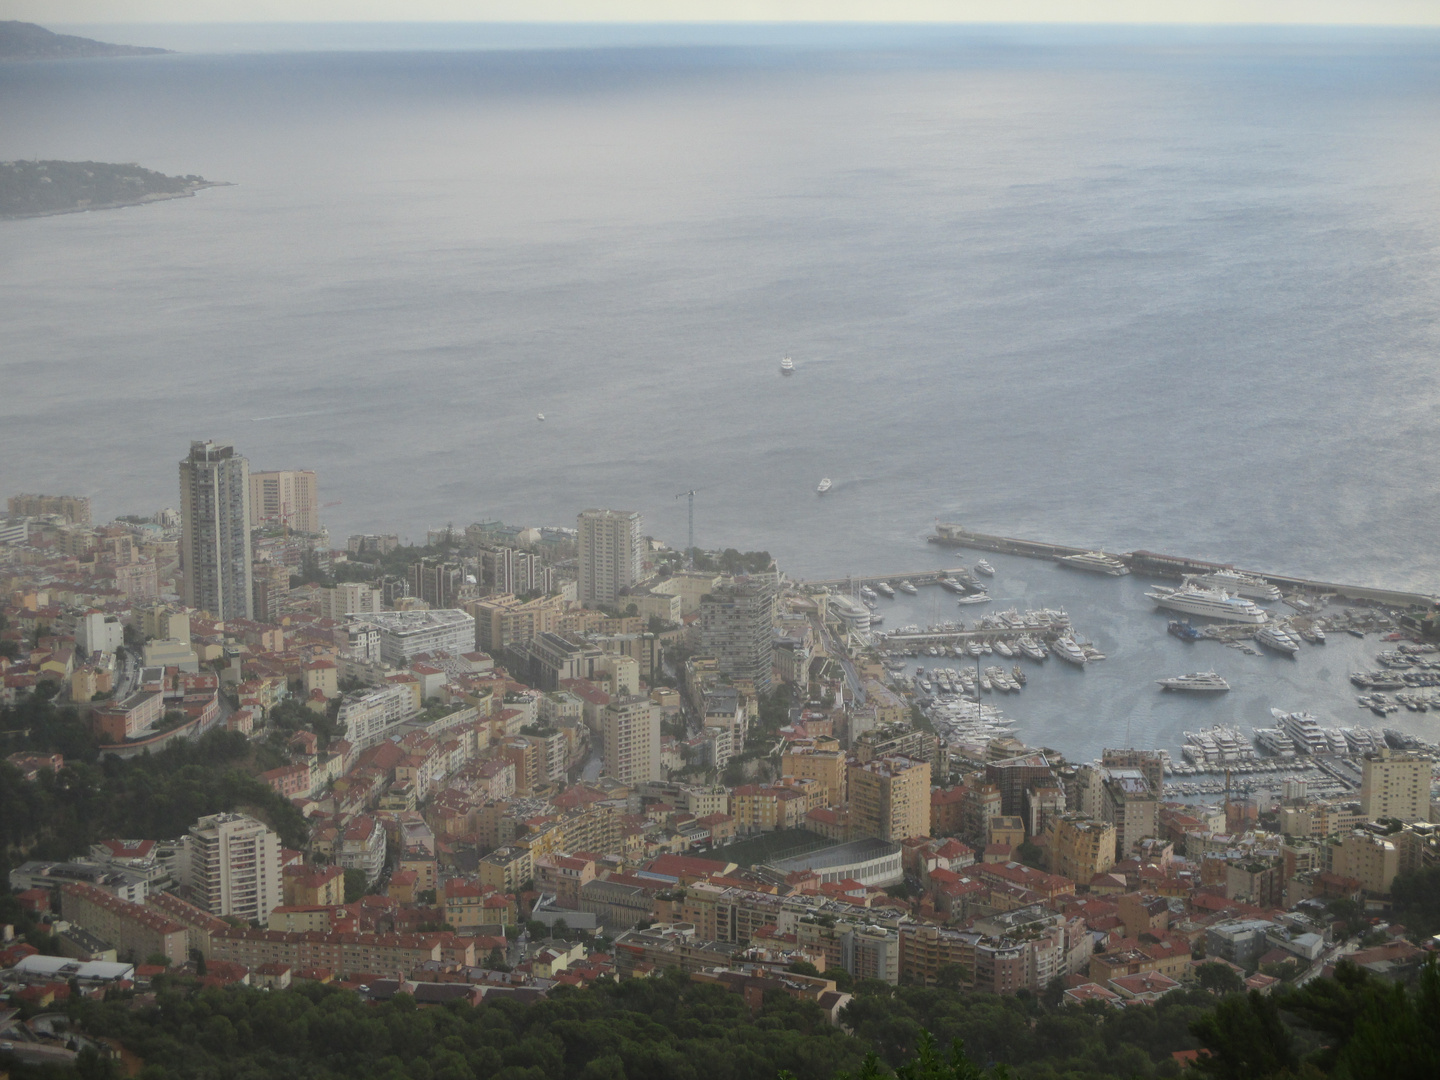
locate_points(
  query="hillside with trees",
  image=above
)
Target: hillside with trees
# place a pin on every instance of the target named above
(27, 41)
(40, 188)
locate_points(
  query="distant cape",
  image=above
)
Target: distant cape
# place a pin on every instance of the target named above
(26, 41)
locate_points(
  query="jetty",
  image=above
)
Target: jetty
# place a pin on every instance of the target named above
(1175, 567)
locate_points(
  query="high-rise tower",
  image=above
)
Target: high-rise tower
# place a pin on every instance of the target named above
(611, 554)
(215, 531)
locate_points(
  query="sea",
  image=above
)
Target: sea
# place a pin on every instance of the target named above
(1135, 288)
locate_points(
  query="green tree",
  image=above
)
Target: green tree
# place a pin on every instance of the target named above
(354, 885)
(1219, 978)
(1246, 1039)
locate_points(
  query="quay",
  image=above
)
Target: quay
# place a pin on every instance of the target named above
(854, 581)
(1152, 564)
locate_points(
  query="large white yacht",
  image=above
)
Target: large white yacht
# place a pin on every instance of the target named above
(1237, 584)
(1066, 649)
(1210, 603)
(1279, 638)
(908, 588)
(1276, 741)
(1304, 731)
(1096, 561)
(1200, 682)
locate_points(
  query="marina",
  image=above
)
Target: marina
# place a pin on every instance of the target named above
(1326, 656)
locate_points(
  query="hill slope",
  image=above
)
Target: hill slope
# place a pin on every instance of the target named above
(26, 41)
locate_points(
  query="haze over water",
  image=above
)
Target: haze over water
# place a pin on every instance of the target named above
(1139, 289)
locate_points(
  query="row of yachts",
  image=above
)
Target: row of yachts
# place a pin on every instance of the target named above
(1294, 735)
(964, 681)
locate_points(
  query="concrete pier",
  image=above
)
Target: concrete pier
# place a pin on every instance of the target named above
(1152, 564)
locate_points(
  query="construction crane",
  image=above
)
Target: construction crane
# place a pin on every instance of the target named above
(690, 547)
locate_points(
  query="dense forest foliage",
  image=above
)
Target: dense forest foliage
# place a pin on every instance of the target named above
(58, 816)
(51, 187)
(669, 1028)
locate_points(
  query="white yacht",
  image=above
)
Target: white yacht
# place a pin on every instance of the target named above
(1238, 584)
(1304, 731)
(974, 598)
(1276, 741)
(1096, 561)
(1278, 638)
(1066, 649)
(884, 589)
(1210, 603)
(908, 588)
(1200, 682)
(983, 567)
(1028, 646)
(824, 486)
(1004, 649)
(787, 366)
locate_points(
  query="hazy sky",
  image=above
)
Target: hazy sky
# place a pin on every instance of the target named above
(1375, 12)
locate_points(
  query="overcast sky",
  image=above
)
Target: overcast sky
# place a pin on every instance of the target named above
(1372, 12)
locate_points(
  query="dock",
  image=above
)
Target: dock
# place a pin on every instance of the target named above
(1175, 567)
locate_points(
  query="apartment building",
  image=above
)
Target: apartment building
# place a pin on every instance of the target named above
(215, 553)
(630, 735)
(611, 554)
(889, 798)
(1079, 847)
(737, 629)
(286, 498)
(366, 716)
(1395, 785)
(505, 619)
(135, 931)
(232, 867)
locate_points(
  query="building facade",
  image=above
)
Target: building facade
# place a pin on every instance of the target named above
(285, 498)
(1395, 785)
(890, 798)
(215, 531)
(631, 740)
(611, 551)
(736, 628)
(232, 867)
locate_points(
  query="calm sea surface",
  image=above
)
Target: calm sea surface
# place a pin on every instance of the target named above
(1172, 290)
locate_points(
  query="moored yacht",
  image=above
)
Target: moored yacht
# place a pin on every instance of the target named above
(1279, 638)
(1304, 731)
(1238, 584)
(884, 589)
(908, 588)
(1096, 561)
(1066, 649)
(1201, 682)
(1210, 603)
(983, 567)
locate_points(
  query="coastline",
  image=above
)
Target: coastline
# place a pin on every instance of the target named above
(151, 197)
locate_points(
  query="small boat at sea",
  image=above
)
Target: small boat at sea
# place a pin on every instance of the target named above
(824, 486)
(540, 416)
(787, 366)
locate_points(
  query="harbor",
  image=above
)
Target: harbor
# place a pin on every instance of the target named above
(1320, 650)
